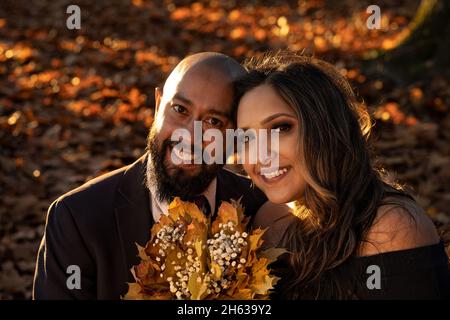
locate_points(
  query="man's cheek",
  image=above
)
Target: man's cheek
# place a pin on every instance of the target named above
(159, 121)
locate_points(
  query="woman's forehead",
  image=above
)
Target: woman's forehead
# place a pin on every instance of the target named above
(259, 103)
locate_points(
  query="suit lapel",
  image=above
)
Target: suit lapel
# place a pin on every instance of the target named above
(132, 211)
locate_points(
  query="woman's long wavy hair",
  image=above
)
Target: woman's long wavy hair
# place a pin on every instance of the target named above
(344, 189)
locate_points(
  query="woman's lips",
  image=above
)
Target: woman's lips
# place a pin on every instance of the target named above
(274, 176)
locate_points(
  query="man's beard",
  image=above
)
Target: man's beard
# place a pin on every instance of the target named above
(176, 183)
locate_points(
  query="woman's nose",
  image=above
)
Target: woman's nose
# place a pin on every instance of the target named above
(268, 157)
(268, 153)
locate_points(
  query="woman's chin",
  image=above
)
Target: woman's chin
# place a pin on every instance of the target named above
(277, 198)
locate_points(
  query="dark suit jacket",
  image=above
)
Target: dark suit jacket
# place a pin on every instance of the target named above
(97, 225)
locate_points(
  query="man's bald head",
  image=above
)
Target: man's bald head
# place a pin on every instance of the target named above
(229, 68)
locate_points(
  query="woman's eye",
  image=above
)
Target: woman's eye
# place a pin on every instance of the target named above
(284, 127)
(179, 109)
(248, 138)
(214, 122)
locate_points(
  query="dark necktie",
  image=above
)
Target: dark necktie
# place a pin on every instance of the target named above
(201, 202)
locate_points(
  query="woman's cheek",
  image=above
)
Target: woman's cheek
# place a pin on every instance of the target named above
(287, 147)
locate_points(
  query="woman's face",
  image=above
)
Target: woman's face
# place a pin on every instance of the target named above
(263, 108)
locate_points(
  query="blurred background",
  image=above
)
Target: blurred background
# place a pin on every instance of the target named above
(75, 104)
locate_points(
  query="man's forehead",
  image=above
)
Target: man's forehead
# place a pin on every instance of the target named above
(202, 65)
(194, 79)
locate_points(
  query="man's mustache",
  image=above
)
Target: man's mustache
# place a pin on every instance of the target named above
(191, 148)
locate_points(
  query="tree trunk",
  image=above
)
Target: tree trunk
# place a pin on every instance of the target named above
(425, 52)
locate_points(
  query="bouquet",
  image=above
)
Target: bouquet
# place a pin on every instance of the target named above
(188, 257)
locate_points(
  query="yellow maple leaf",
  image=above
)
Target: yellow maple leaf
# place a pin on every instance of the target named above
(243, 294)
(134, 292)
(261, 282)
(226, 213)
(216, 271)
(176, 209)
(254, 239)
(195, 212)
(196, 231)
(141, 252)
(198, 289)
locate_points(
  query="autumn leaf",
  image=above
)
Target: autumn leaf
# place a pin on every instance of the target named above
(197, 286)
(226, 213)
(134, 292)
(142, 254)
(261, 282)
(272, 254)
(216, 271)
(255, 239)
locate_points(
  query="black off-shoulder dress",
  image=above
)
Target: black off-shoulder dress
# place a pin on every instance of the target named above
(418, 273)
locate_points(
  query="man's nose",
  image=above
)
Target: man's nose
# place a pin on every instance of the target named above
(194, 126)
(195, 129)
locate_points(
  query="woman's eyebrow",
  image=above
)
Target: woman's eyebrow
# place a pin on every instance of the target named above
(276, 115)
(270, 118)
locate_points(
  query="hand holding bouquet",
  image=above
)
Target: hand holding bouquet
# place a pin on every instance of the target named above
(188, 257)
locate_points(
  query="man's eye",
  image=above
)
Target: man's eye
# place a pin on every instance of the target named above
(284, 127)
(179, 109)
(214, 122)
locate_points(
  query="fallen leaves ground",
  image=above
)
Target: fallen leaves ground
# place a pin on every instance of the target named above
(77, 103)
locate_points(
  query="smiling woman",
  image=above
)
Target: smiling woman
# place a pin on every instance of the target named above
(349, 216)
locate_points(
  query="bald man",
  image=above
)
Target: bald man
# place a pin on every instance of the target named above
(88, 247)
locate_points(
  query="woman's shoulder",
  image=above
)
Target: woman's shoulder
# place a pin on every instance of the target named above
(400, 224)
(275, 218)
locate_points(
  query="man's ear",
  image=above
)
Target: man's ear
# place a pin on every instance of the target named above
(158, 96)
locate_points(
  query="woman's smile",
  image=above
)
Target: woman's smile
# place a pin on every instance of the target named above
(272, 176)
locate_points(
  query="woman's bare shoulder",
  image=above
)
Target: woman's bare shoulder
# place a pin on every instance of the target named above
(399, 227)
(276, 218)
